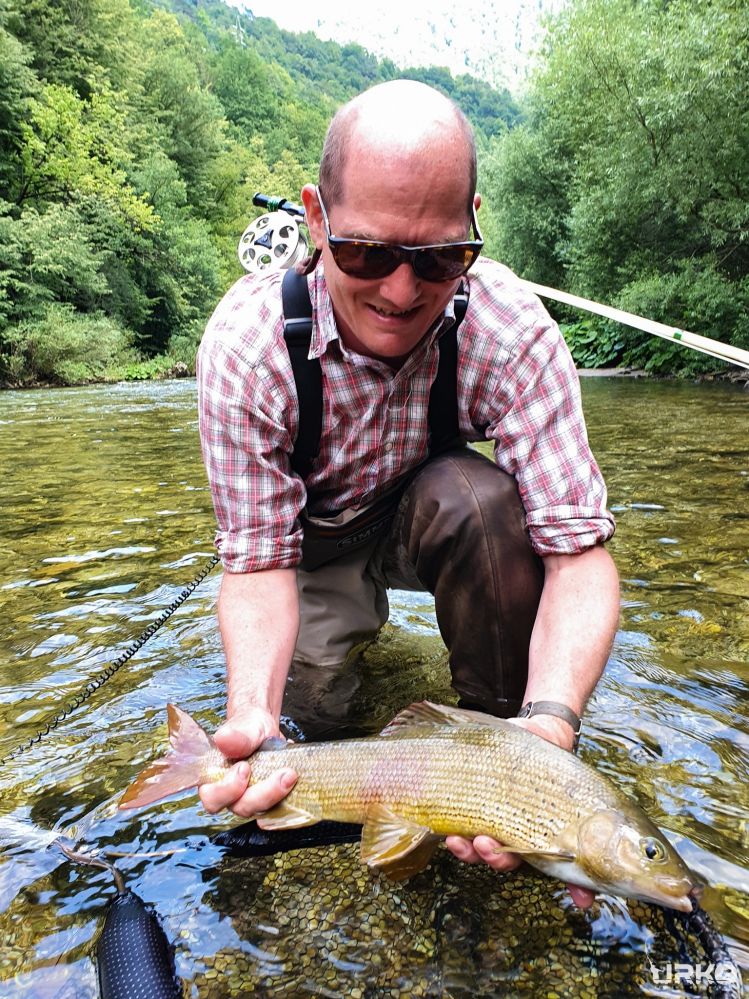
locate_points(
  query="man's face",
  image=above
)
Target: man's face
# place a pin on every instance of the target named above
(398, 200)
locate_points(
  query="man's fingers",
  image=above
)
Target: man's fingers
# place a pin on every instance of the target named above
(237, 742)
(241, 734)
(232, 792)
(483, 849)
(582, 897)
(263, 796)
(462, 849)
(220, 794)
(491, 852)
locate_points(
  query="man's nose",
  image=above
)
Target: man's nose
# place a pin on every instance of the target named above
(401, 288)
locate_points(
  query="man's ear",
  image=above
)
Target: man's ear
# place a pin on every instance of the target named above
(313, 215)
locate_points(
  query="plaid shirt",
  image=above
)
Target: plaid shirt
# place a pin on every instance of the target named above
(517, 387)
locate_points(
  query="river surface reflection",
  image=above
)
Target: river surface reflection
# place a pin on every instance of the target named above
(107, 515)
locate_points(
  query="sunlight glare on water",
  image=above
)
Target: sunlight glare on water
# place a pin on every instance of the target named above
(107, 515)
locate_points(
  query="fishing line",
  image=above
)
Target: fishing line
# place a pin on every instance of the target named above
(109, 671)
(271, 242)
(92, 861)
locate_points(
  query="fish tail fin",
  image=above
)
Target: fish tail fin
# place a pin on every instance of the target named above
(192, 752)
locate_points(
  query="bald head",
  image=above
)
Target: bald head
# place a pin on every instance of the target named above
(400, 120)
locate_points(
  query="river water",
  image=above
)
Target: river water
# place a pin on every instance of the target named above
(106, 516)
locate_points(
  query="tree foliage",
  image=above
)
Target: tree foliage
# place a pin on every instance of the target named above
(133, 134)
(629, 180)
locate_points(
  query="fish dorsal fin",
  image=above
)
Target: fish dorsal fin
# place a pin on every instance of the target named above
(286, 816)
(425, 714)
(394, 845)
(272, 744)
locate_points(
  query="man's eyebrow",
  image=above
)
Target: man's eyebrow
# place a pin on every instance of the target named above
(362, 234)
(369, 238)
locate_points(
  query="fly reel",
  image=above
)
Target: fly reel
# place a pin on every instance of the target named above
(274, 241)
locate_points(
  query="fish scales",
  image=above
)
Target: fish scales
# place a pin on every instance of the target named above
(435, 771)
(460, 781)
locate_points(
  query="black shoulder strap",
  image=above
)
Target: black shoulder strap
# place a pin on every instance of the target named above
(297, 331)
(444, 428)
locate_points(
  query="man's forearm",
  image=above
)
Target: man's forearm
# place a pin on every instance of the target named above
(575, 627)
(258, 614)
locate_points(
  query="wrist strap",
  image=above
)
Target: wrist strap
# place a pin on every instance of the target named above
(532, 708)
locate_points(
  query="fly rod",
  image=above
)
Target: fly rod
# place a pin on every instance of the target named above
(706, 345)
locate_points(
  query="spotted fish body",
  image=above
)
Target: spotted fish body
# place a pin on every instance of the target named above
(467, 781)
(436, 771)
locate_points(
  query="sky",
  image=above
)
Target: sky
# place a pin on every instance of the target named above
(302, 15)
(491, 39)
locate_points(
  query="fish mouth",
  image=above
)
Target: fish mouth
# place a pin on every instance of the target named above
(683, 903)
(686, 902)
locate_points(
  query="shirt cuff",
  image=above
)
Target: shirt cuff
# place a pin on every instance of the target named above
(568, 530)
(249, 551)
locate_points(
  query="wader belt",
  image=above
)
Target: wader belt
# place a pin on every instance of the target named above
(331, 537)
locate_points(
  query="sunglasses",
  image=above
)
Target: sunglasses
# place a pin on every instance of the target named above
(371, 260)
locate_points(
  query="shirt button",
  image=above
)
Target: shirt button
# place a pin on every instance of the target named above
(388, 445)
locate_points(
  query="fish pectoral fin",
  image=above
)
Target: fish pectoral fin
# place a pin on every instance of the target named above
(394, 845)
(553, 852)
(286, 816)
(424, 715)
(411, 863)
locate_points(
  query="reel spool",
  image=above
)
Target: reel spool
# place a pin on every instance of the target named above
(272, 242)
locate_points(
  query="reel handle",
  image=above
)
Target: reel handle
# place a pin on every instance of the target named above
(277, 204)
(273, 242)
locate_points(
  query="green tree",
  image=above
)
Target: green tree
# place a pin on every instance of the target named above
(18, 85)
(188, 117)
(525, 183)
(75, 43)
(632, 171)
(71, 145)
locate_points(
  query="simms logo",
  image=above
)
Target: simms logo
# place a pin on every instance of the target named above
(365, 533)
(722, 973)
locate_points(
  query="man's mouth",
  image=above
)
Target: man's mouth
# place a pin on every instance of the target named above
(394, 313)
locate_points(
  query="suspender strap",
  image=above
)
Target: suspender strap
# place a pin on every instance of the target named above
(444, 431)
(297, 331)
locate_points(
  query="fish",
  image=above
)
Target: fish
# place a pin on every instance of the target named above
(436, 771)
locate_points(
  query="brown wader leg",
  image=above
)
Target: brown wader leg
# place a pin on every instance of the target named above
(460, 533)
(342, 607)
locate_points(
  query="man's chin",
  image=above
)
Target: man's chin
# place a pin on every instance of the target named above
(391, 349)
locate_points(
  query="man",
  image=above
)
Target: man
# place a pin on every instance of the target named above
(526, 597)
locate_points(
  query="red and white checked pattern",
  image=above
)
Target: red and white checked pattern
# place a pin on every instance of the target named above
(517, 387)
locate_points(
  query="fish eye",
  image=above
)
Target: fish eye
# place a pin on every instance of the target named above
(653, 849)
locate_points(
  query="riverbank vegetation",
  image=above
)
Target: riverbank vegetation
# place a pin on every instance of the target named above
(628, 180)
(134, 134)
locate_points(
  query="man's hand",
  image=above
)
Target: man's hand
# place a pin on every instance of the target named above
(237, 739)
(484, 849)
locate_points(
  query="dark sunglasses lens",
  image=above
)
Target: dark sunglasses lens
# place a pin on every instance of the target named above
(363, 260)
(444, 263)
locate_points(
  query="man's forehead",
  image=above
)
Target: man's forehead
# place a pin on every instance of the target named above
(430, 171)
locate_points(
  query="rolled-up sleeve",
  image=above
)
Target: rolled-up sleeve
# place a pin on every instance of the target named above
(541, 439)
(246, 431)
